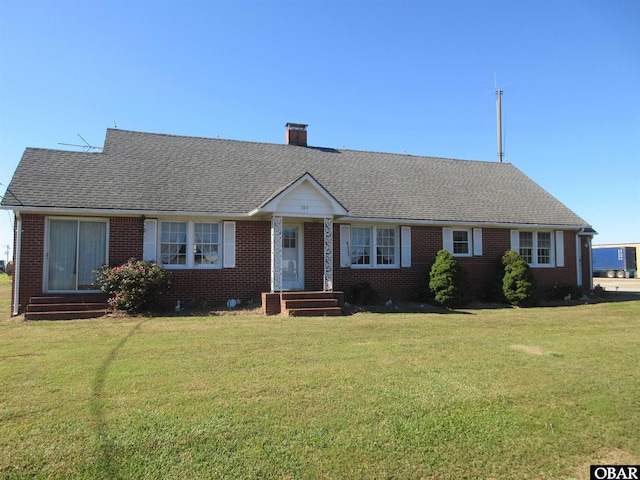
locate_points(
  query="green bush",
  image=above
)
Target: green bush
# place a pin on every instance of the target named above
(447, 284)
(518, 283)
(135, 286)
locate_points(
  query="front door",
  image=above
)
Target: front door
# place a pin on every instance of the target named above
(75, 248)
(292, 258)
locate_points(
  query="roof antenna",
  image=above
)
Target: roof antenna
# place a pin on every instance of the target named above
(499, 116)
(115, 125)
(87, 147)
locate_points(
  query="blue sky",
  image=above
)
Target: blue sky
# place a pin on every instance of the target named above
(391, 76)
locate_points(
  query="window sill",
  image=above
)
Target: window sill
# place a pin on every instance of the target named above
(373, 267)
(197, 267)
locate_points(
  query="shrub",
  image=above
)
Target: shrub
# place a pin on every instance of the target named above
(135, 286)
(447, 284)
(518, 283)
(598, 291)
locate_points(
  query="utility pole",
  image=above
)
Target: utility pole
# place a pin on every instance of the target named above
(499, 113)
(7, 252)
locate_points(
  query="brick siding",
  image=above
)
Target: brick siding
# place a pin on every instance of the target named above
(410, 282)
(314, 256)
(251, 276)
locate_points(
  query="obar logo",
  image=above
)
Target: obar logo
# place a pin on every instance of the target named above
(614, 472)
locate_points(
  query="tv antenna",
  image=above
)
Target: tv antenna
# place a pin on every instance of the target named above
(87, 147)
(499, 115)
(500, 136)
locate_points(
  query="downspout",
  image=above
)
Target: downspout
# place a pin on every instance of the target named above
(579, 260)
(16, 265)
(589, 239)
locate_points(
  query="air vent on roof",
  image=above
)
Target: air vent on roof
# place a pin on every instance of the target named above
(297, 134)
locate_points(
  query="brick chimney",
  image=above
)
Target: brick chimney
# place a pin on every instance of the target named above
(297, 134)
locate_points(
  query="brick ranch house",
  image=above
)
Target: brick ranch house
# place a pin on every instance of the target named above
(235, 219)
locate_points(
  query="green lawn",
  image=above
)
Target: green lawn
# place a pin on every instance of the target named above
(509, 393)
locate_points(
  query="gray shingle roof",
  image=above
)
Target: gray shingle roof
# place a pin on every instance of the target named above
(164, 173)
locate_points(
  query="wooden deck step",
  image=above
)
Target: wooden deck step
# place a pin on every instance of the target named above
(315, 312)
(71, 298)
(66, 315)
(70, 307)
(311, 304)
(66, 307)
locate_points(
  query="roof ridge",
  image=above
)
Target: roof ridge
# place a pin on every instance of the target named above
(311, 147)
(57, 150)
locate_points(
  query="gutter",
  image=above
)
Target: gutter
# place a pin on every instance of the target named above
(114, 212)
(403, 221)
(582, 228)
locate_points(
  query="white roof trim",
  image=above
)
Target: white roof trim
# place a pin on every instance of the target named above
(231, 215)
(401, 221)
(272, 205)
(115, 212)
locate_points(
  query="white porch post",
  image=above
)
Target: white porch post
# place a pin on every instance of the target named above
(276, 254)
(328, 254)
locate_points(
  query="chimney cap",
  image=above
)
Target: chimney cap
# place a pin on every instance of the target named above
(296, 126)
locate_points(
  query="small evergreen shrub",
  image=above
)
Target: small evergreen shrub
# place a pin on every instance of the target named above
(135, 286)
(447, 284)
(518, 283)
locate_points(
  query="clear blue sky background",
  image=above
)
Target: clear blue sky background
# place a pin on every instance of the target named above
(391, 76)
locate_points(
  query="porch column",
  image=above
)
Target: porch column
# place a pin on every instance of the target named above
(328, 254)
(276, 254)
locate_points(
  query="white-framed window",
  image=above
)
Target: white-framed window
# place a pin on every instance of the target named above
(173, 243)
(526, 247)
(462, 242)
(537, 248)
(360, 250)
(386, 246)
(461, 245)
(206, 246)
(190, 244)
(543, 248)
(374, 247)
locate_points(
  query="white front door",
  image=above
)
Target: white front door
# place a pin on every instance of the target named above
(292, 258)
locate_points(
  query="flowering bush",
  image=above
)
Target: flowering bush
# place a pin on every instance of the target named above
(135, 286)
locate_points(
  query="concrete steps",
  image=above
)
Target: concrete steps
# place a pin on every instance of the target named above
(66, 307)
